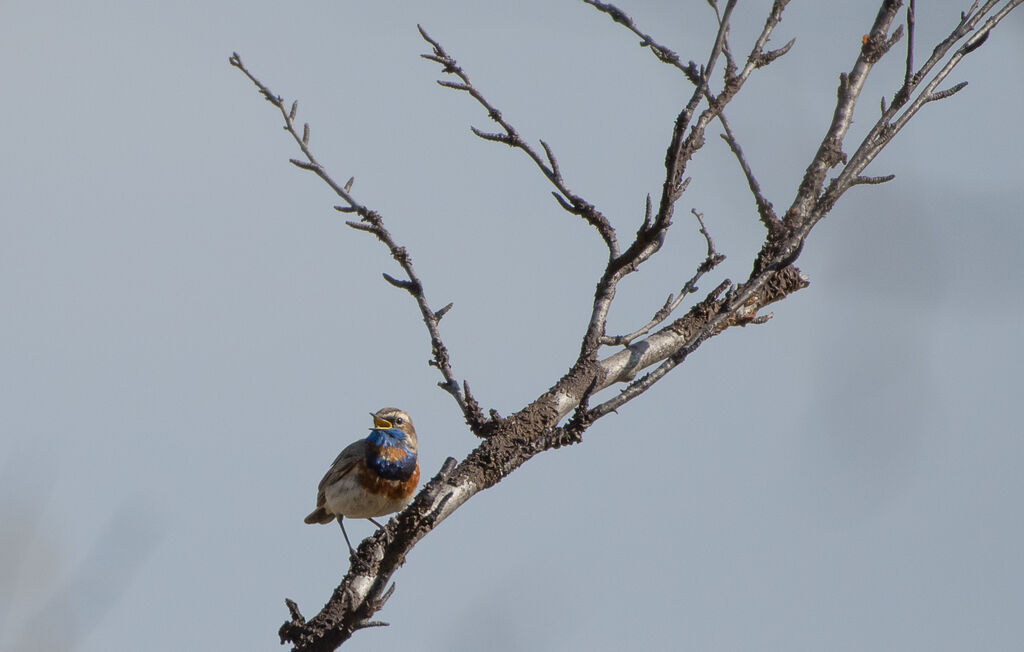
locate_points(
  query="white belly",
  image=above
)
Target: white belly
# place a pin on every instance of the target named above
(348, 498)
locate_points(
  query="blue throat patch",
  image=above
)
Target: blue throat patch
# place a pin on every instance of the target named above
(378, 457)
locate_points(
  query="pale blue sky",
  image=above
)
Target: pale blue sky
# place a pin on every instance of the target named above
(191, 334)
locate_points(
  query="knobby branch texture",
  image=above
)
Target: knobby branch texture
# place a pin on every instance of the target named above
(659, 343)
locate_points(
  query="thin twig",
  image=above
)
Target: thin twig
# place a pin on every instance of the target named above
(372, 222)
(567, 199)
(711, 260)
(764, 207)
(730, 63)
(861, 181)
(896, 116)
(663, 53)
(645, 382)
(830, 152)
(908, 76)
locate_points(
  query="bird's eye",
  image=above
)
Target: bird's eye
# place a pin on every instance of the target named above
(399, 420)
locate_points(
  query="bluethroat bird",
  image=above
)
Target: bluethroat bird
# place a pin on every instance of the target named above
(373, 476)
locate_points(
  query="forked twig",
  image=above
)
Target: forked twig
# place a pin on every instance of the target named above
(711, 260)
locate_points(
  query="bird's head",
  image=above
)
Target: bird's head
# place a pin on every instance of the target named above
(390, 419)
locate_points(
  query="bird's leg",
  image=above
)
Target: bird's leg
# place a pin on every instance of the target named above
(350, 548)
(375, 523)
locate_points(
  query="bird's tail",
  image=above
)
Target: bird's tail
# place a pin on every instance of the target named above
(319, 515)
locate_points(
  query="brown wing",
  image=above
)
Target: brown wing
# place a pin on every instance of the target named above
(343, 465)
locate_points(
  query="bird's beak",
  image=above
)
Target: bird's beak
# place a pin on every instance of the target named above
(381, 423)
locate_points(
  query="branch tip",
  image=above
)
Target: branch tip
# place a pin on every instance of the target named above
(387, 594)
(949, 92)
(551, 160)
(563, 203)
(771, 55)
(454, 85)
(361, 226)
(494, 137)
(399, 283)
(293, 610)
(442, 312)
(872, 181)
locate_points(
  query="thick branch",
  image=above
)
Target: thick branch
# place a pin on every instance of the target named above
(515, 440)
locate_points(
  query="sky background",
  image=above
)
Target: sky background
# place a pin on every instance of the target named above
(190, 333)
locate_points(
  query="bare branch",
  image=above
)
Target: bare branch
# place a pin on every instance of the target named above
(949, 92)
(358, 226)
(552, 161)
(772, 55)
(711, 260)
(371, 222)
(723, 31)
(730, 63)
(443, 311)
(758, 57)
(499, 455)
(663, 53)
(893, 120)
(497, 138)
(402, 285)
(860, 181)
(682, 147)
(908, 77)
(764, 207)
(830, 152)
(576, 204)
